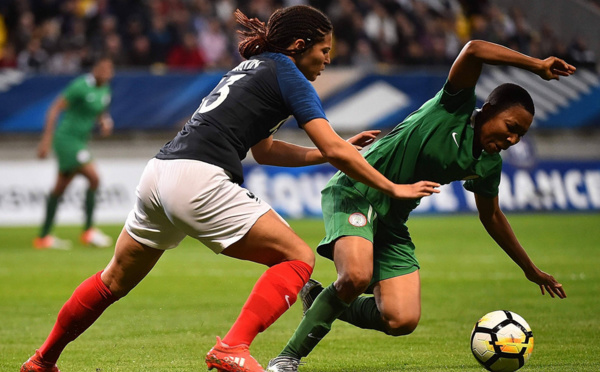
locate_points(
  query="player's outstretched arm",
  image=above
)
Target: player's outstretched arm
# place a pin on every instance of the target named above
(467, 67)
(499, 229)
(52, 115)
(284, 154)
(342, 155)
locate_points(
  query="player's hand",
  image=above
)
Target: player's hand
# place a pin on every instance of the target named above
(554, 68)
(106, 126)
(363, 138)
(416, 190)
(547, 283)
(43, 149)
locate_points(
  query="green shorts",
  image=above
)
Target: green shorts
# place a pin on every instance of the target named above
(347, 213)
(71, 154)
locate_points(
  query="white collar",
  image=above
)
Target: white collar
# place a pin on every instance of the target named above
(473, 116)
(91, 80)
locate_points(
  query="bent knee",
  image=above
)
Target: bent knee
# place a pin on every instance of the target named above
(401, 327)
(308, 257)
(353, 283)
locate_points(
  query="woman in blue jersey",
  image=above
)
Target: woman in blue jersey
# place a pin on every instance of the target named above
(192, 186)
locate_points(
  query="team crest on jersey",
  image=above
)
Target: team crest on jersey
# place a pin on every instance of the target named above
(357, 219)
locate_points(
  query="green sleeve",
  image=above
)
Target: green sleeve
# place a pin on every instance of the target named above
(461, 101)
(489, 184)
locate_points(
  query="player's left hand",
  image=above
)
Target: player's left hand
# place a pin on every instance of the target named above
(554, 68)
(363, 138)
(548, 284)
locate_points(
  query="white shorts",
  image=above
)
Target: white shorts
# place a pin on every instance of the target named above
(182, 197)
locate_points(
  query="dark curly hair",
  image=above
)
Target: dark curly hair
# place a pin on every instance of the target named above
(508, 95)
(285, 26)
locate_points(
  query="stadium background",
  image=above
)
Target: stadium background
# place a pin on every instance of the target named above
(389, 57)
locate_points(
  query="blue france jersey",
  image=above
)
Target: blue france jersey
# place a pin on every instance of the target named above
(249, 104)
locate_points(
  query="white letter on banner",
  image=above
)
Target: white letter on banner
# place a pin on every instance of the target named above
(573, 179)
(505, 198)
(592, 184)
(525, 191)
(310, 187)
(286, 195)
(445, 201)
(552, 189)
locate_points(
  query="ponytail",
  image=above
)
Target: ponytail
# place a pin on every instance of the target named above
(285, 26)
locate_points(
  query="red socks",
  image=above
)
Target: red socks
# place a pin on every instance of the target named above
(86, 304)
(274, 292)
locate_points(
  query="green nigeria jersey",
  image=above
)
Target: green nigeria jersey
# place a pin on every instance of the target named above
(434, 143)
(86, 101)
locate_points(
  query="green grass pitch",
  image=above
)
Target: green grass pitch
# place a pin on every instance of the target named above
(171, 319)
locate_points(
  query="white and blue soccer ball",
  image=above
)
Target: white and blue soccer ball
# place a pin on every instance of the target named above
(502, 341)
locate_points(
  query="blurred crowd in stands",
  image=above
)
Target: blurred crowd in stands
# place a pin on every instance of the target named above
(65, 36)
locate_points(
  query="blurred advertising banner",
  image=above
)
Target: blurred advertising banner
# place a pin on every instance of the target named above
(353, 100)
(548, 186)
(293, 192)
(25, 185)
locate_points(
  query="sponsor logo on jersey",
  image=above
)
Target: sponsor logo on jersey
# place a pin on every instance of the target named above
(454, 134)
(357, 219)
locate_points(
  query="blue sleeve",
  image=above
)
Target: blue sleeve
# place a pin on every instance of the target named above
(298, 93)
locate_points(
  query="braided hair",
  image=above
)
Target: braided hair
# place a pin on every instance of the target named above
(285, 26)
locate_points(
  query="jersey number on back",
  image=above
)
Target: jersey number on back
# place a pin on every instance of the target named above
(222, 90)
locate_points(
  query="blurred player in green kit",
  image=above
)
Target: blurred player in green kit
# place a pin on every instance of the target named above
(82, 104)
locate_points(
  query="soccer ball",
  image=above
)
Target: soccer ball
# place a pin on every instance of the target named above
(502, 341)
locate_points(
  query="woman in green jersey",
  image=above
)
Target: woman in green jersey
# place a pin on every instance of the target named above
(446, 140)
(82, 104)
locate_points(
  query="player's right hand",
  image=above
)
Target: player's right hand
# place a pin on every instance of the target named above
(554, 68)
(416, 190)
(547, 283)
(43, 150)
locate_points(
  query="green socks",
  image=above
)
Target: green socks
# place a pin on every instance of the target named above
(51, 205)
(317, 321)
(315, 324)
(363, 313)
(90, 203)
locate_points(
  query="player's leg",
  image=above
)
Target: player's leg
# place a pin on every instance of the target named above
(92, 236)
(44, 239)
(398, 300)
(353, 257)
(129, 265)
(349, 225)
(271, 242)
